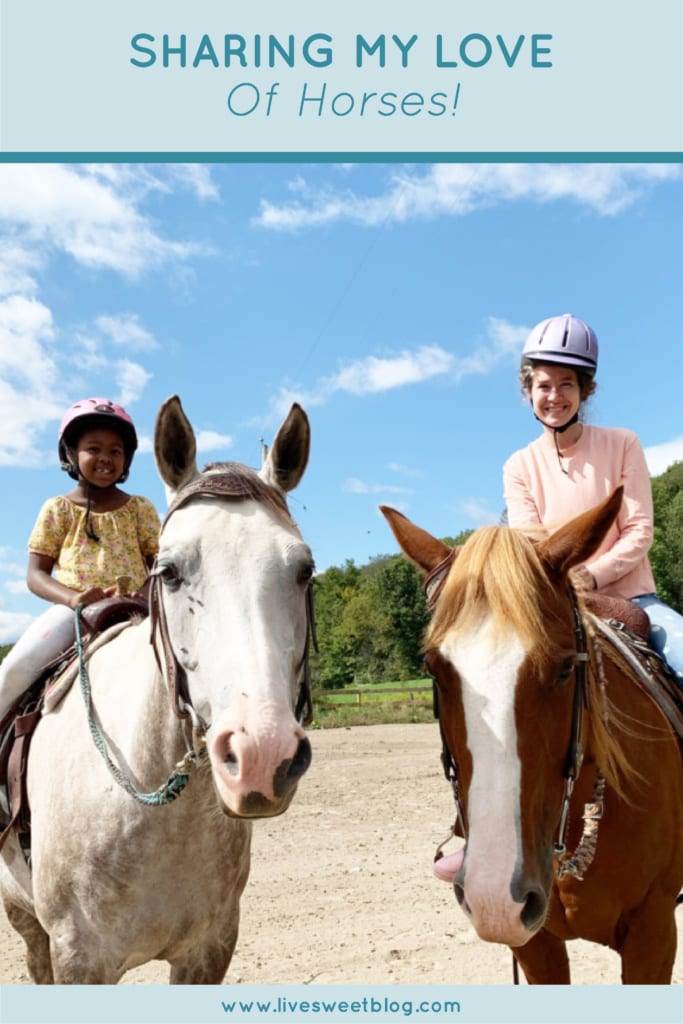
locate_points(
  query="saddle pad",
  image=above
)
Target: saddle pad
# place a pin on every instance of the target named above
(649, 669)
(59, 685)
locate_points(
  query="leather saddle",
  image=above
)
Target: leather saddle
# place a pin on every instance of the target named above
(619, 610)
(626, 626)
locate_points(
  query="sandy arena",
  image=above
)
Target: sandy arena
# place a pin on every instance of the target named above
(341, 888)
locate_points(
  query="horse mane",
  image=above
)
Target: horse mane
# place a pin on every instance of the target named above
(499, 573)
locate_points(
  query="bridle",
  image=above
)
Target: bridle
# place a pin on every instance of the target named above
(219, 485)
(433, 585)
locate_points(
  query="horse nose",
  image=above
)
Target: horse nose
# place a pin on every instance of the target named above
(257, 767)
(535, 906)
(296, 766)
(459, 890)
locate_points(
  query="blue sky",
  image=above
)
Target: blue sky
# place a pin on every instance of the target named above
(390, 300)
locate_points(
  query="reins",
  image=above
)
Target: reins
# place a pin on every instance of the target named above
(214, 485)
(178, 778)
(574, 758)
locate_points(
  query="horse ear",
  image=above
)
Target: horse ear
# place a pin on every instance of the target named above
(288, 456)
(578, 539)
(416, 544)
(175, 447)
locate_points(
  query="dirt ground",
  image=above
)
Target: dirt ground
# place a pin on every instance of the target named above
(341, 888)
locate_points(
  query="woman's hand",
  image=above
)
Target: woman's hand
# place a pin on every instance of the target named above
(586, 576)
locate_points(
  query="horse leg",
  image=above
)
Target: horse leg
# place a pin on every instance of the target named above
(210, 964)
(37, 944)
(544, 959)
(648, 949)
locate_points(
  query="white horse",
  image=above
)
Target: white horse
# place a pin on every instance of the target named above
(114, 882)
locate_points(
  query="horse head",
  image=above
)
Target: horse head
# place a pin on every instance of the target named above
(231, 584)
(502, 648)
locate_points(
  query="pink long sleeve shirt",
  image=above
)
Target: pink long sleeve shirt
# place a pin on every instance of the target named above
(538, 492)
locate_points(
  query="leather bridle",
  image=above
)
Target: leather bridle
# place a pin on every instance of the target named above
(220, 485)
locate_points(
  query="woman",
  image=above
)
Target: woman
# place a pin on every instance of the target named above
(572, 466)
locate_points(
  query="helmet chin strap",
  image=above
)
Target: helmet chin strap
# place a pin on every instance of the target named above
(89, 528)
(560, 430)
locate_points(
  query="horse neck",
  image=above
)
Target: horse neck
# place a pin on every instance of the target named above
(138, 701)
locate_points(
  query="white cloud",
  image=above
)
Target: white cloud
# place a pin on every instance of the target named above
(19, 264)
(210, 441)
(502, 341)
(207, 441)
(28, 371)
(89, 212)
(660, 456)
(478, 512)
(93, 214)
(17, 587)
(373, 374)
(126, 330)
(396, 467)
(131, 379)
(197, 177)
(355, 486)
(459, 189)
(12, 625)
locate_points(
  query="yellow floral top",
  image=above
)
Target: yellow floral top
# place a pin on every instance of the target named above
(126, 535)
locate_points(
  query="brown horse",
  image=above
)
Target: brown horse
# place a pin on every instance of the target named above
(546, 732)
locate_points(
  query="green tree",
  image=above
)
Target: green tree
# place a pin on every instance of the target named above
(398, 589)
(666, 554)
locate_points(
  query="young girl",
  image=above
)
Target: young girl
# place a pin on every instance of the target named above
(573, 466)
(82, 541)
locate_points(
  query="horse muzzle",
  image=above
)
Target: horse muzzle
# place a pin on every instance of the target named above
(256, 769)
(509, 912)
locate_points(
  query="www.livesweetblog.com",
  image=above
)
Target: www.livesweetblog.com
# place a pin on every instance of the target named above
(368, 1005)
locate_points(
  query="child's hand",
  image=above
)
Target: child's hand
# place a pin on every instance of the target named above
(86, 597)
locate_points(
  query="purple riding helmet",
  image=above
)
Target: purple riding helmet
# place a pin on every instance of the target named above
(563, 339)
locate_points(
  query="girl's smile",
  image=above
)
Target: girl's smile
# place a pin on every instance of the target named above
(101, 457)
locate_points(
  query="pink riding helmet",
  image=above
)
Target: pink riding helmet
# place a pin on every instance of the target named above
(563, 339)
(88, 414)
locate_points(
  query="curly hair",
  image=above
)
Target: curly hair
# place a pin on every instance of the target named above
(587, 385)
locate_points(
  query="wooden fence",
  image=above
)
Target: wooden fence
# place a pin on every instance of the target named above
(419, 693)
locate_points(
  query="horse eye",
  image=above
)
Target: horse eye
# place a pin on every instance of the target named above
(565, 670)
(169, 574)
(305, 574)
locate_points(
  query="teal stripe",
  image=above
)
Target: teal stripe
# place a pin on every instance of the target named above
(306, 157)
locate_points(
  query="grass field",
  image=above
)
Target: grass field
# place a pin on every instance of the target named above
(381, 703)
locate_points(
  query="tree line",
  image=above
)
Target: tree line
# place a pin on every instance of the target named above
(371, 619)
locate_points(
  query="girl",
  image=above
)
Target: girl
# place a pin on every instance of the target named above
(573, 466)
(82, 541)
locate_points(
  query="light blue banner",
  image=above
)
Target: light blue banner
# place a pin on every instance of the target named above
(297, 1004)
(217, 77)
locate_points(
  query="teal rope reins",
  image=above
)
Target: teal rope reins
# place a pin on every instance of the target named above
(178, 778)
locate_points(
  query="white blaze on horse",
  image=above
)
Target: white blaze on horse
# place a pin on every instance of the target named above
(114, 882)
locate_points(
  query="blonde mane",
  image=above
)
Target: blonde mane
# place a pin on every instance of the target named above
(497, 573)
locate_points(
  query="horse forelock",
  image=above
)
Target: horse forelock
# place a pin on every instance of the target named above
(497, 574)
(251, 486)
